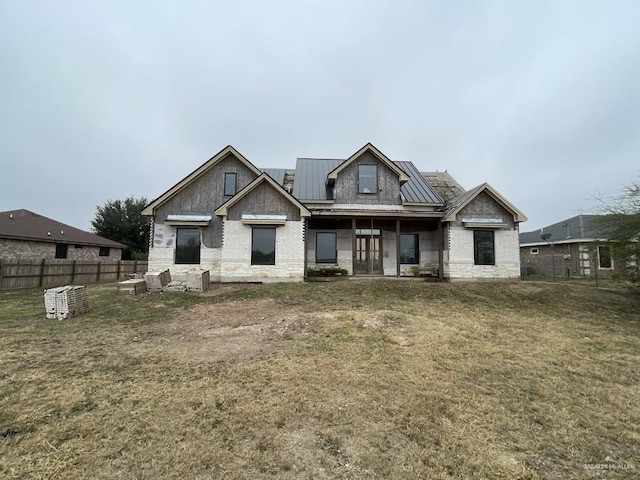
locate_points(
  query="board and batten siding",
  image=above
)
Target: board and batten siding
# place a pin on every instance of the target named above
(264, 200)
(203, 196)
(346, 186)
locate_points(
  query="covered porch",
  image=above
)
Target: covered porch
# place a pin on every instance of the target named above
(374, 246)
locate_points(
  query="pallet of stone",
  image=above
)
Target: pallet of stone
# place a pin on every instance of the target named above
(175, 286)
(133, 286)
(65, 302)
(198, 280)
(156, 281)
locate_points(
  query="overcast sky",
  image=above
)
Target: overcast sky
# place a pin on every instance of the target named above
(104, 99)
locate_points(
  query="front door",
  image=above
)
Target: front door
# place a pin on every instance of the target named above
(368, 254)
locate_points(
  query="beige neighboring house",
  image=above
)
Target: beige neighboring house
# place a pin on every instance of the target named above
(24, 234)
(365, 215)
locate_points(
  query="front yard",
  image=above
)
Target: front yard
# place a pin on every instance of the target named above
(351, 379)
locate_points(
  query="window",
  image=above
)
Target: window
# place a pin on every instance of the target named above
(534, 251)
(367, 179)
(326, 251)
(604, 256)
(230, 184)
(483, 247)
(409, 251)
(188, 246)
(263, 246)
(61, 250)
(104, 252)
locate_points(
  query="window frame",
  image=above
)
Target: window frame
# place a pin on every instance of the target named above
(177, 259)
(477, 254)
(610, 254)
(361, 175)
(226, 192)
(534, 251)
(335, 248)
(416, 252)
(254, 259)
(60, 248)
(102, 250)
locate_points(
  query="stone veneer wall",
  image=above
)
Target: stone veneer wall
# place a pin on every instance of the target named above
(459, 265)
(235, 262)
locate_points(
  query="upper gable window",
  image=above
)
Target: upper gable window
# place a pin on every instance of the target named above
(230, 184)
(367, 179)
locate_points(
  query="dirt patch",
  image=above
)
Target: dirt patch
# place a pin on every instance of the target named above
(234, 330)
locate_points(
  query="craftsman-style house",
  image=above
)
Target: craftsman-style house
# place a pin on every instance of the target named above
(362, 216)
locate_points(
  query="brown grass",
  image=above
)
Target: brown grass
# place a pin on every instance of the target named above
(372, 379)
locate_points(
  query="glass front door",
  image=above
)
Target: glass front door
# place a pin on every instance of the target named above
(368, 253)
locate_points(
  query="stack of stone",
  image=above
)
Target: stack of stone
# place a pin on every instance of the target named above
(67, 301)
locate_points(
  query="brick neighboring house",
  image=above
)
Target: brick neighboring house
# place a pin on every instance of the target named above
(24, 234)
(366, 215)
(569, 248)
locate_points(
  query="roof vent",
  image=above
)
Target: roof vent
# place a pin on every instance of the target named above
(61, 232)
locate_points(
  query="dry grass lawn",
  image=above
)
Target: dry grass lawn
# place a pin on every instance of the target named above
(351, 379)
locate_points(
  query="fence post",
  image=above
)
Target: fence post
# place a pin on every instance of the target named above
(119, 268)
(73, 272)
(0, 273)
(42, 272)
(135, 266)
(98, 272)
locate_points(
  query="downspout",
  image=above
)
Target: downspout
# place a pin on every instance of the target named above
(305, 240)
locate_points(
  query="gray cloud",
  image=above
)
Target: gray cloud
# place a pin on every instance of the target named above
(102, 100)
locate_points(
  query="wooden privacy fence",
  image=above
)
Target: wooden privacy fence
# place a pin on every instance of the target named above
(26, 273)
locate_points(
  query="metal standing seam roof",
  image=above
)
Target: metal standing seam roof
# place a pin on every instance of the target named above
(276, 173)
(417, 189)
(311, 176)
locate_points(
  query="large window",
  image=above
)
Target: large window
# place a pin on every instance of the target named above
(326, 251)
(409, 251)
(483, 247)
(61, 250)
(188, 246)
(604, 256)
(367, 178)
(263, 246)
(230, 184)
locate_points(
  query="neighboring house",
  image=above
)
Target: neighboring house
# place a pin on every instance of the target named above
(366, 215)
(570, 248)
(24, 234)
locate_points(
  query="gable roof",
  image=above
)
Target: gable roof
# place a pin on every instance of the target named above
(332, 175)
(574, 229)
(311, 174)
(25, 225)
(453, 206)
(222, 154)
(264, 177)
